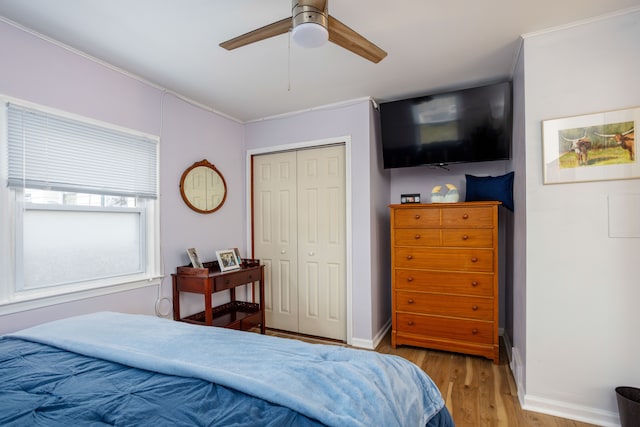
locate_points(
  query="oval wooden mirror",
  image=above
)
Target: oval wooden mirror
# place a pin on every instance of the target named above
(203, 187)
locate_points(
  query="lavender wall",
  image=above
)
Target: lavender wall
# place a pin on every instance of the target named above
(353, 121)
(45, 73)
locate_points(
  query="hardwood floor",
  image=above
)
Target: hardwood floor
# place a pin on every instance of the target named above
(477, 392)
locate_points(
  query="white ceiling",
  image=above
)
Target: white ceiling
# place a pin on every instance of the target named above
(432, 45)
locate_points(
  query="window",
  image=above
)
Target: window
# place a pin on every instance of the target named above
(80, 206)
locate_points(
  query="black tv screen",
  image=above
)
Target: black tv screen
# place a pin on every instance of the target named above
(469, 125)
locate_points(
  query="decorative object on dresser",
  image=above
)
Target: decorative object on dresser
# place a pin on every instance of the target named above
(487, 188)
(410, 198)
(444, 261)
(235, 314)
(451, 196)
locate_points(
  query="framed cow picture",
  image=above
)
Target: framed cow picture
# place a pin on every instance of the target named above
(591, 147)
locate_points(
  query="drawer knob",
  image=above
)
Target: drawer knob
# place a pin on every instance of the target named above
(474, 331)
(417, 216)
(474, 308)
(250, 276)
(417, 236)
(474, 259)
(409, 279)
(474, 283)
(410, 301)
(227, 281)
(409, 256)
(410, 323)
(465, 216)
(465, 237)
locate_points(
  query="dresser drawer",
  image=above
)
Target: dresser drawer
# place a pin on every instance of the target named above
(473, 331)
(417, 237)
(417, 218)
(468, 238)
(231, 280)
(467, 217)
(444, 305)
(444, 259)
(478, 284)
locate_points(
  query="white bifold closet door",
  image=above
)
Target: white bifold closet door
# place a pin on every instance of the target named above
(299, 234)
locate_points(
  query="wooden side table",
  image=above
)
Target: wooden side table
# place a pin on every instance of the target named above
(241, 315)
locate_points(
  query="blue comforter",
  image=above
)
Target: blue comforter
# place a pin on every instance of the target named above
(332, 385)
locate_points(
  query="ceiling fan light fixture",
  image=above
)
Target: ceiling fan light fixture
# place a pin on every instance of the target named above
(310, 24)
(310, 35)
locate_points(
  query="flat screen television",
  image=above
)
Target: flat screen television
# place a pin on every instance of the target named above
(469, 125)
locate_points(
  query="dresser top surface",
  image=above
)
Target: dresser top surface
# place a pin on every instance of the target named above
(444, 205)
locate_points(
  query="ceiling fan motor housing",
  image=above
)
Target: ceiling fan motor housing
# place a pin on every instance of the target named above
(310, 25)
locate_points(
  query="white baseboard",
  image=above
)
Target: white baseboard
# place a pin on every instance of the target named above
(557, 408)
(518, 373)
(571, 411)
(372, 344)
(362, 343)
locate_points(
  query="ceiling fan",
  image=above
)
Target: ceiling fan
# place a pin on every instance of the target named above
(311, 26)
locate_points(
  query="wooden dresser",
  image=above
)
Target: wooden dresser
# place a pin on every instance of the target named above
(444, 261)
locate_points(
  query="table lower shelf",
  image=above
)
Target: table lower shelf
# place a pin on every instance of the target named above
(239, 315)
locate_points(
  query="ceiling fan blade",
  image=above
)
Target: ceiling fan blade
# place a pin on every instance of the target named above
(345, 37)
(271, 30)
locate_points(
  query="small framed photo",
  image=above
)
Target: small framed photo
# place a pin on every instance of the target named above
(409, 198)
(227, 259)
(193, 257)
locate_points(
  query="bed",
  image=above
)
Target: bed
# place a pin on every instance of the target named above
(133, 370)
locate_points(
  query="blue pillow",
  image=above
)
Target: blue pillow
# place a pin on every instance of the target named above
(500, 188)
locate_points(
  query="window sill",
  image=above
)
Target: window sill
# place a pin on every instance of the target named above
(33, 302)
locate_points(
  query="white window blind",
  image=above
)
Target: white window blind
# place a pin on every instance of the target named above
(48, 151)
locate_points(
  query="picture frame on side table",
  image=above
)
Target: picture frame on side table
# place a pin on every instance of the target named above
(227, 259)
(591, 147)
(193, 257)
(238, 257)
